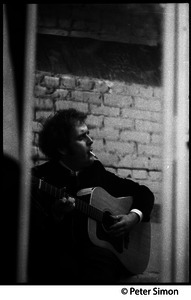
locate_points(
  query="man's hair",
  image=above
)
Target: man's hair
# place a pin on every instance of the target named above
(56, 131)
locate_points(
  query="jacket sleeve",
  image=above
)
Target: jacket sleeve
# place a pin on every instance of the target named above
(143, 198)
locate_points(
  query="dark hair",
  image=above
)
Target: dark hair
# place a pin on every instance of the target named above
(56, 131)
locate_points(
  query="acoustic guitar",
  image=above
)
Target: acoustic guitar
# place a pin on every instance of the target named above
(133, 249)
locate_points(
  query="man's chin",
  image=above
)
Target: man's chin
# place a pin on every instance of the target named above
(90, 161)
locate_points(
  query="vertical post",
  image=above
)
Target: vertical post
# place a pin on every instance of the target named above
(182, 200)
(10, 120)
(25, 154)
(168, 143)
(174, 251)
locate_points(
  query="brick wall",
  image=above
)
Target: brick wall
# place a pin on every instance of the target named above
(123, 101)
(124, 121)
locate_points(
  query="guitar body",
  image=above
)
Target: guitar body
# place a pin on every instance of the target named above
(134, 250)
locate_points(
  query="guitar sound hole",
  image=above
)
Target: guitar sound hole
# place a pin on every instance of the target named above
(102, 232)
(107, 221)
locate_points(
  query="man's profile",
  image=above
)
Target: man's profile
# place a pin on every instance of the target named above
(61, 251)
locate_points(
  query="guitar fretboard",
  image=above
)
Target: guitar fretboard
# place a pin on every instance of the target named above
(80, 205)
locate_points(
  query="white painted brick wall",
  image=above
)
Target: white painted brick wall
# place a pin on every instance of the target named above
(60, 94)
(118, 123)
(43, 103)
(132, 89)
(125, 121)
(119, 147)
(149, 150)
(124, 173)
(87, 97)
(105, 133)
(146, 104)
(70, 104)
(115, 100)
(67, 82)
(108, 159)
(139, 174)
(155, 163)
(147, 126)
(40, 91)
(142, 137)
(141, 114)
(36, 126)
(155, 176)
(40, 114)
(146, 92)
(156, 138)
(94, 121)
(104, 110)
(50, 81)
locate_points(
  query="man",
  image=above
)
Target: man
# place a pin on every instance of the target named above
(60, 249)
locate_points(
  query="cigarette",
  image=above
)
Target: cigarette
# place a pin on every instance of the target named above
(93, 154)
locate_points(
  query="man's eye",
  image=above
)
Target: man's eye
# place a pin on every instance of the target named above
(81, 138)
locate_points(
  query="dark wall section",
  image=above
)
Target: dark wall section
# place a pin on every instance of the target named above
(100, 59)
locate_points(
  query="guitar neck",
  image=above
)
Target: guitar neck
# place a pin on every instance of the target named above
(80, 205)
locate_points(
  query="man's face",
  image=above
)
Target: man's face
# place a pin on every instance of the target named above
(80, 145)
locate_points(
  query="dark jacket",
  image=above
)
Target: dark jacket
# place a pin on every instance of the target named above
(51, 235)
(95, 176)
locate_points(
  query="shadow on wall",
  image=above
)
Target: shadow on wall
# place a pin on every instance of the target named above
(104, 60)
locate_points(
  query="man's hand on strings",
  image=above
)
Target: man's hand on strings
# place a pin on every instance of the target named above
(123, 224)
(63, 206)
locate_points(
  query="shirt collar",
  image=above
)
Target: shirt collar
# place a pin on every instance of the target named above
(72, 173)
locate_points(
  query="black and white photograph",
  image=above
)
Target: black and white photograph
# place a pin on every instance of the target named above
(96, 148)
